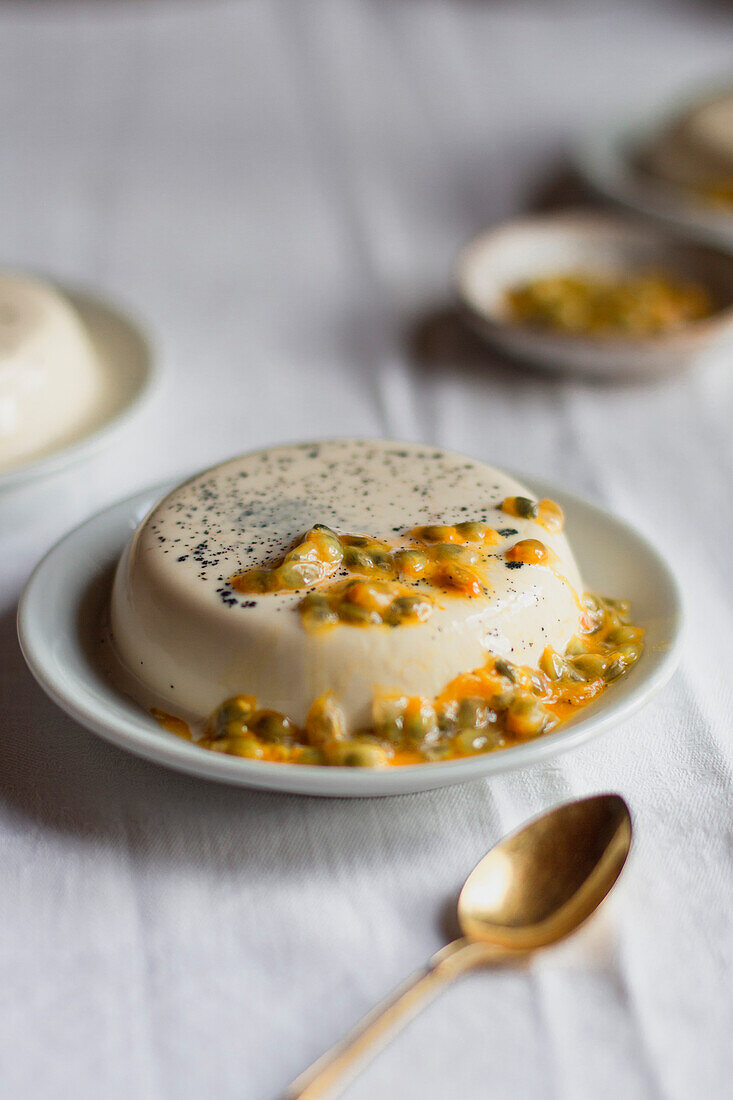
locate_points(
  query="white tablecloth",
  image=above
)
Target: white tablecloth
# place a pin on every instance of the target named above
(279, 189)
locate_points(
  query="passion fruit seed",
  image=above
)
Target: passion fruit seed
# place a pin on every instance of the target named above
(551, 515)
(358, 754)
(470, 740)
(591, 666)
(237, 727)
(552, 664)
(238, 707)
(271, 726)
(308, 754)
(318, 610)
(620, 662)
(576, 646)
(325, 721)
(530, 552)
(621, 635)
(219, 744)
(502, 700)
(259, 580)
(353, 614)
(504, 669)
(526, 717)
(448, 551)
(388, 717)
(411, 563)
(472, 532)
(249, 747)
(441, 750)
(621, 607)
(358, 560)
(408, 609)
(474, 713)
(447, 716)
(630, 653)
(374, 596)
(420, 725)
(435, 533)
(322, 529)
(526, 508)
(295, 575)
(557, 668)
(455, 576)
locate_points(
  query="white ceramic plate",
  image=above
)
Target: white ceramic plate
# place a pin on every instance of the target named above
(604, 160)
(61, 608)
(126, 356)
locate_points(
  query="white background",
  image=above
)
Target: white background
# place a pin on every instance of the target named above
(278, 189)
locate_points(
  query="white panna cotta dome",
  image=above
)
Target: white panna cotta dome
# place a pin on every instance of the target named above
(50, 379)
(191, 641)
(696, 148)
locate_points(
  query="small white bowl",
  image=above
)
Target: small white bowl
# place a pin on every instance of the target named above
(59, 626)
(531, 247)
(125, 354)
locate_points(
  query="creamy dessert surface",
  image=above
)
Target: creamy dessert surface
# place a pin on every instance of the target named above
(51, 383)
(192, 639)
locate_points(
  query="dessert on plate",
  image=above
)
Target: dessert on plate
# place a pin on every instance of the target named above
(362, 603)
(51, 383)
(694, 149)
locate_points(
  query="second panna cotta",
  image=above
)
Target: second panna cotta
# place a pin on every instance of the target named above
(51, 382)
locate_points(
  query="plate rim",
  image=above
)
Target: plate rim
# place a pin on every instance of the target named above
(76, 450)
(134, 736)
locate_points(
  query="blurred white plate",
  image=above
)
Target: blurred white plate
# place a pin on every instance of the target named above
(62, 606)
(605, 161)
(126, 356)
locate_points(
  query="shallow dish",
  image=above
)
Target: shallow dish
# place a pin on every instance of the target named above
(126, 357)
(58, 627)
(529, 247)
(605, 160)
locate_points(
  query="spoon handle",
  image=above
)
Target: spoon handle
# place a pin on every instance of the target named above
(333, 1070)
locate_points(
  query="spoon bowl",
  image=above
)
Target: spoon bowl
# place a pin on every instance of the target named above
(541, 882)
(531, 890)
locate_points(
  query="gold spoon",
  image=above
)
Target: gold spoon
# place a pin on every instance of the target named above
(531, 890)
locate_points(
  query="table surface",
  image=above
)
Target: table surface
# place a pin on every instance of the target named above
(279, 190)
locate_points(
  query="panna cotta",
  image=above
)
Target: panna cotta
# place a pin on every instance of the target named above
(360, 602)
(180, 623)
(50, 378)
(694, 149)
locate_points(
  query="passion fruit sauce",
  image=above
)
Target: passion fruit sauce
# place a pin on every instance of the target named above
(490, 708)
